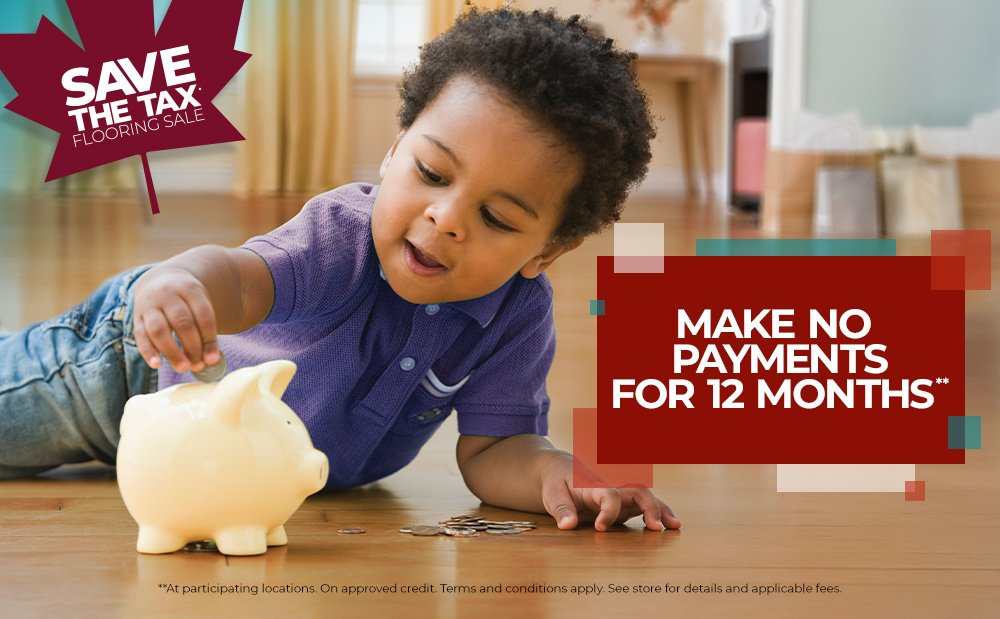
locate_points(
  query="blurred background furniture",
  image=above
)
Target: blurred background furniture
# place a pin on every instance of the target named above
(750, 79)
(693, 76)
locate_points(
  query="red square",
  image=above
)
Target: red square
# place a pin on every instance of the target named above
(587, 472)
(974, 246)
(915, 490)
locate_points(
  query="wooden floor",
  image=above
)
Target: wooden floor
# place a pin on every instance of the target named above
(67, 545)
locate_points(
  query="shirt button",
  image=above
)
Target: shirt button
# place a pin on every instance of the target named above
(429, 414)
(432, 309)
(407, 363)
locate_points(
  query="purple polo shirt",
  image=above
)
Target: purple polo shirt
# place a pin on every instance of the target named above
(377, 375)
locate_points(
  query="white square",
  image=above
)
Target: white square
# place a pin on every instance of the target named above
(845, 477)
(639, 239)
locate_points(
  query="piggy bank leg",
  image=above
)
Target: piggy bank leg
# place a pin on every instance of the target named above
(242, 541)
(157, 541)
(276, 536)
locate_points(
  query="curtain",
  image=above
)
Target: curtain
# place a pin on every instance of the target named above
(297, 103)
(442, 13)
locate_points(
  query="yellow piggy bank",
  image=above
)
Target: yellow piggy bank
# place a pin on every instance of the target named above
(226, 461)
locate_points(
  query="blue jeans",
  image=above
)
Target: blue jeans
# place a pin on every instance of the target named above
(64, 383)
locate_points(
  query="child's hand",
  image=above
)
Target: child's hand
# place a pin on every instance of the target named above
(171, 300)
(602, 506)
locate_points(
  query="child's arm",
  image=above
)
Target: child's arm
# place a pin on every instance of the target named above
(526, 472)
(196, 295)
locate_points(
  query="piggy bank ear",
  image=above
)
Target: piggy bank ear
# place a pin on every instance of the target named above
(275, 376)
(226, 402)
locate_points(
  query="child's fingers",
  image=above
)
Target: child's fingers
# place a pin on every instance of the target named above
(184, 327)
(650, 508)
(559, 503)
(668, 518)
(210, 352)
(610, 502)
(145, 346)
(204, 319)
(161, 336)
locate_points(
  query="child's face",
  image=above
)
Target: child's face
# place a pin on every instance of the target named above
(471, 194)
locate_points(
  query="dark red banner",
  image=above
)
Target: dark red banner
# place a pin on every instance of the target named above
(779, 360)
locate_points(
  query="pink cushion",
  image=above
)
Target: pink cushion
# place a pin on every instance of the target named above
(751, 155)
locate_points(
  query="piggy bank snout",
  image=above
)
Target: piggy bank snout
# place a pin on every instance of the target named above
(313, 471)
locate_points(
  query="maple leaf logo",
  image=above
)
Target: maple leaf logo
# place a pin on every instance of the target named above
(129, 91)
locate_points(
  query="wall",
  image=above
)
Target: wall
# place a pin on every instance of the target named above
(375, 103)
(894, 63)
(903, 62)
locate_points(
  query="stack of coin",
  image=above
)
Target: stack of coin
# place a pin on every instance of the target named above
(470, 526)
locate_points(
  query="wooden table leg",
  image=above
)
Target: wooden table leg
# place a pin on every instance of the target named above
(684, 114)
(706, 147)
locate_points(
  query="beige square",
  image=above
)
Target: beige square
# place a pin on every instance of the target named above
(845, 477)
(639, 248)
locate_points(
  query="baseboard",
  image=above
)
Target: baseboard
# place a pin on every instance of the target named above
(193, 178)
(672, 182)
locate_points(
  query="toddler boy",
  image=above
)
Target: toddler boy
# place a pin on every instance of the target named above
(521, 134)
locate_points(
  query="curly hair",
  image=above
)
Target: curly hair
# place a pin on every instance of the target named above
(564, 75)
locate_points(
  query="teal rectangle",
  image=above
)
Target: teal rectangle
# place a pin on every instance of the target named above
(795, 247)
(956, 432)
(597, 307)
(973, 432)
(965, 432)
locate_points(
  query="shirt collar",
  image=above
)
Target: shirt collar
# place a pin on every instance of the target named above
(481, 309)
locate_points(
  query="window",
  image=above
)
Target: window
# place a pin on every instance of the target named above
(389, 35)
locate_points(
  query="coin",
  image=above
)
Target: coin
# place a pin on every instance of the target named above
(470, 526)
(351, 531)
(212, 373)
(425, 530)
(205, 545)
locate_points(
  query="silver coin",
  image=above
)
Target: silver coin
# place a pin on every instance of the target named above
(205, 545)
(453, 532)
(351, 531)
(504, 531)
(405, 530)
(425, 530)
(212, 373)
